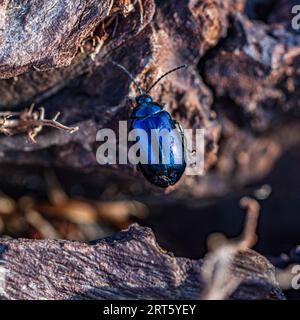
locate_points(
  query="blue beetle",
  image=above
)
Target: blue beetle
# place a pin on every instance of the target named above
(150, 116)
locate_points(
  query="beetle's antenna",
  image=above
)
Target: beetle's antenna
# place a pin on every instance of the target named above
(164, 75)
(129, 75)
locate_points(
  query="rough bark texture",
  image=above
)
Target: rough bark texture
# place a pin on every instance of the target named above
(257, 69)
(178, 32)
(45, 34)
(241, 87)
(129, 265)
(254, 75)
(245, 104)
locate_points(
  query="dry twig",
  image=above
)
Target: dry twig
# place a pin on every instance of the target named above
(30, 122)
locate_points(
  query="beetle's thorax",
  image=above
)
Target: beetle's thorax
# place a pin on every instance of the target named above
(145, 107)
(143, 98)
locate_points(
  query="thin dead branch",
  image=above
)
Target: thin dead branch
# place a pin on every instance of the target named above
(30, 122)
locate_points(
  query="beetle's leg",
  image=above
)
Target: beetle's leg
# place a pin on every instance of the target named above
(181, 130)
(131, 101)
(131, 105)
(130, 113)
(180, 127)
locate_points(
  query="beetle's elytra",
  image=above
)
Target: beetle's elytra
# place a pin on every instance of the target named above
(149, 115)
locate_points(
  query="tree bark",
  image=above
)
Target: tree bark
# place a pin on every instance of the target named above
(128, 265)
(240, 90)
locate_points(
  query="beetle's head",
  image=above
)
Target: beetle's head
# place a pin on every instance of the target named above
(143, 98)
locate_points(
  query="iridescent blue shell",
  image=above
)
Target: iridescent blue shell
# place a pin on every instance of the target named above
(149, 115)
